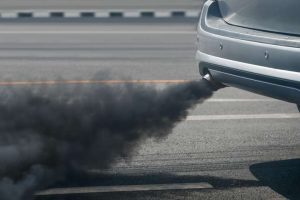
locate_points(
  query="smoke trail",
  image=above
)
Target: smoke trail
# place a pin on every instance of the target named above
(45, 132)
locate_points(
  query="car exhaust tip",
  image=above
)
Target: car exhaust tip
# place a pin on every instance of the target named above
(215, 85)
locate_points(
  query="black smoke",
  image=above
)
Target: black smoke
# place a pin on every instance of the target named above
(48, 131)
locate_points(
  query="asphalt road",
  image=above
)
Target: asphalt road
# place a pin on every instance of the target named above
(99, 4)
(252, 158)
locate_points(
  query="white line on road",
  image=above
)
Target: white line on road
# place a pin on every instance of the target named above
(20, 32)
(240, 117)
(242, 100)
(124, 188)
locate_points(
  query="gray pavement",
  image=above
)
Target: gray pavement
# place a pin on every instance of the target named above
(241, 159)
(99, 4)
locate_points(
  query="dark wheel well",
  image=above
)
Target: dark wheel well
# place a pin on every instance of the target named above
(298, 107)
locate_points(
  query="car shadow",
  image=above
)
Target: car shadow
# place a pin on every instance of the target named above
(281, 176)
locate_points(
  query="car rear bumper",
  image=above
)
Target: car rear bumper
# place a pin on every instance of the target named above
(261, 62)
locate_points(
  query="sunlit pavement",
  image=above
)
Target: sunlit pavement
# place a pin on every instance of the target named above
(237, 157)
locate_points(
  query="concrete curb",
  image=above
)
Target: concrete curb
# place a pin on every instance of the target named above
(69, 14)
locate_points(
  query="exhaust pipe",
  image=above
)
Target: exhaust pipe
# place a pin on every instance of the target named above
(214, 84)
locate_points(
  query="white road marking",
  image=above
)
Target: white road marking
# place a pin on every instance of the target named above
(124, 188)
(242, 100)
(242, 117)
(9, 15)
(162, 14)
(73, 14)
(102, 14)
(20, 32)
(132, 14)
(41, 14)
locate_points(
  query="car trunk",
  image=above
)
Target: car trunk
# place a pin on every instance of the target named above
(269, 15)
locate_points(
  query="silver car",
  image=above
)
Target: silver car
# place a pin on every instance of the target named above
(253, 45)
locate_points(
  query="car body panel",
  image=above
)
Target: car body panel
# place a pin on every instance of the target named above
(258, 61)
(270, 15)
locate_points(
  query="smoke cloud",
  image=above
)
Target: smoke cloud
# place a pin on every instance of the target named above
(48, 131)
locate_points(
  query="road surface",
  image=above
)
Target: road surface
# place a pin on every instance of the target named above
(256, 157)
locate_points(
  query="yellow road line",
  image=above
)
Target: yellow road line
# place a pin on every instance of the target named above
(55, 82)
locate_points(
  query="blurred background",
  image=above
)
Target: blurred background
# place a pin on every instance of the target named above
(101, 4)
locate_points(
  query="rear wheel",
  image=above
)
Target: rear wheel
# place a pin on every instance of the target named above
(298, 107)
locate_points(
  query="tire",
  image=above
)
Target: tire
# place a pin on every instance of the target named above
(298, 107)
